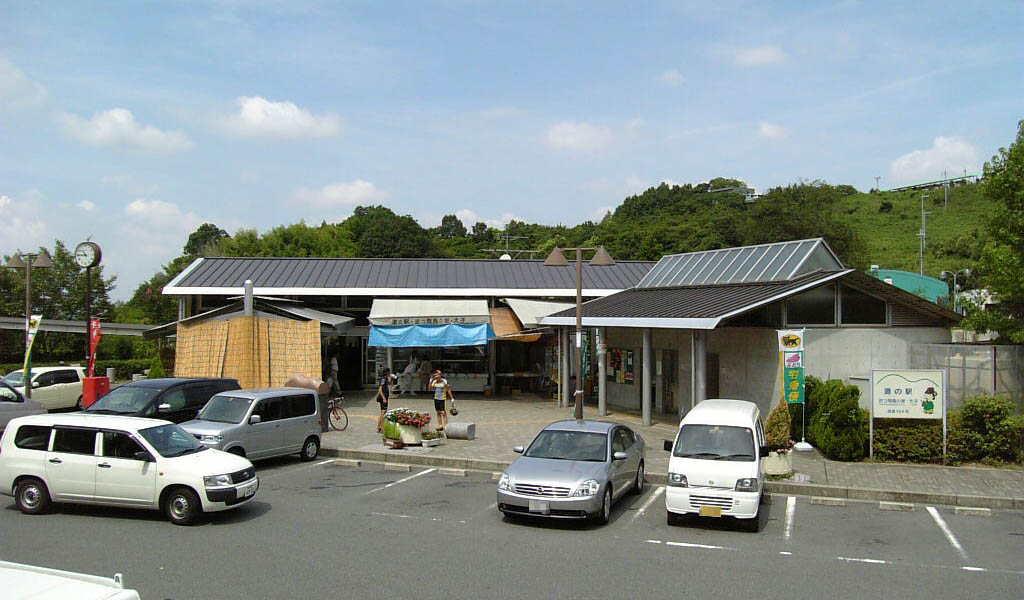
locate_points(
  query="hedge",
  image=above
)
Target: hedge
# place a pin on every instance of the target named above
(838, 427)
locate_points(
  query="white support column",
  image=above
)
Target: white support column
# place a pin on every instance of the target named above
(391, 360)
(492, 360)
(700, 366)
(563, 398)
(602, 371)
(646, 380)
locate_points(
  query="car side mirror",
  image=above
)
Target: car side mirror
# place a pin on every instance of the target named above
(164, 406)
(668, 445)
(36, 384)
(619, 456)
(518, 449)
(254, 419)
(143, 456)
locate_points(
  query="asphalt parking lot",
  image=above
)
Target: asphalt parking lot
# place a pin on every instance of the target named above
(329, 529)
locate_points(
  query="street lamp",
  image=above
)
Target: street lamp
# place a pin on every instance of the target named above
(956, 289)
(601, 259)
(27, 260)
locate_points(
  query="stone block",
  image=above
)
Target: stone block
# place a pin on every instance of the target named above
(397, 467)
(969, 511)
(452, 472)
(826, 501)
(901, 506)
(460, 431)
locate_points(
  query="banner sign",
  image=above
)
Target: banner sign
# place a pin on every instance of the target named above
(30, 336)
(908, 394)
(791, 358)
(94, 340)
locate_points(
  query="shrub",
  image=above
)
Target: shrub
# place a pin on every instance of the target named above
(123, 369)
(908, 440)
(984, 430)
(776, 428)
(839, 427)
(156, 370)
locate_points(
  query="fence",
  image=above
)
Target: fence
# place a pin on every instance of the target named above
(974, 369)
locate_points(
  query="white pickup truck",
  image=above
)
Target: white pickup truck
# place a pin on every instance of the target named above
(41, 583)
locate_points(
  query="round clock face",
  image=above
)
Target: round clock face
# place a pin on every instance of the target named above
(87, 254)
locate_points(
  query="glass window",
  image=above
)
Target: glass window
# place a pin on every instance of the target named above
(862, 309)
(7, 394)
(15, 378)
(569, 445)
(199, 394)
(74, 441)
(301, 406)
(65, 376)
(117, 444)
(32, 437)
(170, 440)
(175, 398)
(126, 399)
(813, 307)
(225, 409)
(44, 380)
(269, 409)
(715, 442)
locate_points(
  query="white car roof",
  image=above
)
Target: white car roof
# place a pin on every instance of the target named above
(37, 370)
(89, 420)
(721, 411)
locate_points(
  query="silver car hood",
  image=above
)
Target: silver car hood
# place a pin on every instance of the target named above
(548, 471)
(197, 427)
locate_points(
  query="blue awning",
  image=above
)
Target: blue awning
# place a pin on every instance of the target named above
(411, 336)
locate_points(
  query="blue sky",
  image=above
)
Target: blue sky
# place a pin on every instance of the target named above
(135, 122)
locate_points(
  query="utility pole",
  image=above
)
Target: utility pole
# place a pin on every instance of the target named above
(877, 177)
(945, 178)
(507, 251)
(924, 231)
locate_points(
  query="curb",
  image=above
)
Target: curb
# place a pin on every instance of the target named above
(773, 487)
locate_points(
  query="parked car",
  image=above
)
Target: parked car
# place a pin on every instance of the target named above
(119, 461)
(14, 405)
(715, 469)
(573, 470)
(261, 423)
(29, 582)
(53, 387)
(173, 399)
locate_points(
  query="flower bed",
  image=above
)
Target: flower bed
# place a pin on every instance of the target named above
(407, 417)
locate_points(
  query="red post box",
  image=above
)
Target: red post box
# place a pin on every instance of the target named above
(93, 388)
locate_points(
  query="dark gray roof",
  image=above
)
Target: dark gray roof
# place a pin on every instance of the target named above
(352, 275)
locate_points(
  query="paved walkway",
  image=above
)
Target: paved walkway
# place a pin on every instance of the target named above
(504, 422)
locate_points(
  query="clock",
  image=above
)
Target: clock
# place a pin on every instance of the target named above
(87, 254)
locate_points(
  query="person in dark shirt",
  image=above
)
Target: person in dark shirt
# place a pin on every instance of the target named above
(383, 394)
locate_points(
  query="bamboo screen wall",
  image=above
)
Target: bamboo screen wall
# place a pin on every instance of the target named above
(257, 352)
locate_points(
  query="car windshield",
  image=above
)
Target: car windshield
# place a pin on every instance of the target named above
(715, 442)
(170, 440)
(15, 378)
(569, 445)
(127, 399)
(225, 409)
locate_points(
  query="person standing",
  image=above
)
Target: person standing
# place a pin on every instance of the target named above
(405, 381)
(332, 376)
(425, 372)
(383, 395)
(442, 392)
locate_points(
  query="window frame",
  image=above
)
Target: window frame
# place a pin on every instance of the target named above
(103, 444)
(57, 429)
(46, 446)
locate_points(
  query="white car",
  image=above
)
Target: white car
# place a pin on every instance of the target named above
(53, 387)
(119, 461)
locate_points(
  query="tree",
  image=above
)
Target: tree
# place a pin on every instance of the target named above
(1002, 260)
(203, 239)
(451, 227)
(481, 232)
(380, 233)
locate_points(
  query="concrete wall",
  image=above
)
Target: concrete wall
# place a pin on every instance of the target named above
(749, 360)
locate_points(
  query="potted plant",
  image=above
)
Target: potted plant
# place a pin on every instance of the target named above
(776, 432)
(405, 424)
(432, 438)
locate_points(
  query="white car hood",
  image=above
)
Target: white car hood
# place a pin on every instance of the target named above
(210, 462)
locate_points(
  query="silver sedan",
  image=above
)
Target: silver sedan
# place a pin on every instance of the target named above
(13, 404)
(573, 470)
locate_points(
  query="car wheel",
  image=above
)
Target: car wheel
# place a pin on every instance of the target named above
(673, 519)
(78, 405)
(310, 448)
(31, 496)
(638, 483)
(602, 517)
(237, 451)
(182, 506)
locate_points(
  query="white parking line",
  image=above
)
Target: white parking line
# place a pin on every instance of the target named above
(689, 545)
(870, 561)
(949, 534)
(324, 462)
(790, 513)
(384, 487)
(657, 492)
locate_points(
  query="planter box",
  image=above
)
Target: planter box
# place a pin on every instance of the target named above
(394, 444)
(778, 463)
(433, 442)
(409, 435)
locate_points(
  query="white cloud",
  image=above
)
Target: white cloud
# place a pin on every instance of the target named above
(578, 136)
(20, 225)
(950, 154)
(86, 205)
(259, 117)
(118, 128)
(128, 184)
(772, 131)
(341, 194)
(16, 90)
(672, 77)
(758, 56)
(161, 215)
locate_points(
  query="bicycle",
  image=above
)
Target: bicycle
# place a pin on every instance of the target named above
(336, 414)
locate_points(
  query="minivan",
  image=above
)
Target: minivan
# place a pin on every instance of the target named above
(260, 423)
(715, 469)
(174, 399)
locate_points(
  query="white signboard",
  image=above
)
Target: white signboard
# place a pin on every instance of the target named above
(791, 340)
(908, 394)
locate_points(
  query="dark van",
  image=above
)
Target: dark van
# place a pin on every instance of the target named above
(174, 399)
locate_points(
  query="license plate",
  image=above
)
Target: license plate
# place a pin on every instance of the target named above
(249, 490)
(540, 506)
(711, 511)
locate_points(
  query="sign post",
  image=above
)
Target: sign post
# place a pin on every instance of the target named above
(907, 394)
(791, 366)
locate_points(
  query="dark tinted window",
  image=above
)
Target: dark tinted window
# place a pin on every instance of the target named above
(32, 437)
(175, 398)
(75, 441)
(269, 409)
(44, 379)
(117, 444)
(301, 406)
(622, 440)
(715, 442)
(197, 394)
(126, 399)
(65, 376)
(862, 309)
(813, 307)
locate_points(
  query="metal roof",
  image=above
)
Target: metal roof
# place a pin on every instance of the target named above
(704, 307)
(262, 307)
(400, 277)
(781, 261)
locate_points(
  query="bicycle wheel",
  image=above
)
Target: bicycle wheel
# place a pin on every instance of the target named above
(338, 418)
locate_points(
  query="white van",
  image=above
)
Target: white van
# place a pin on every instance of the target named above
(715, 469)
(37, 583)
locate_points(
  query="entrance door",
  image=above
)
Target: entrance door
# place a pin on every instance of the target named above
(711, 375)
(669, 379)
